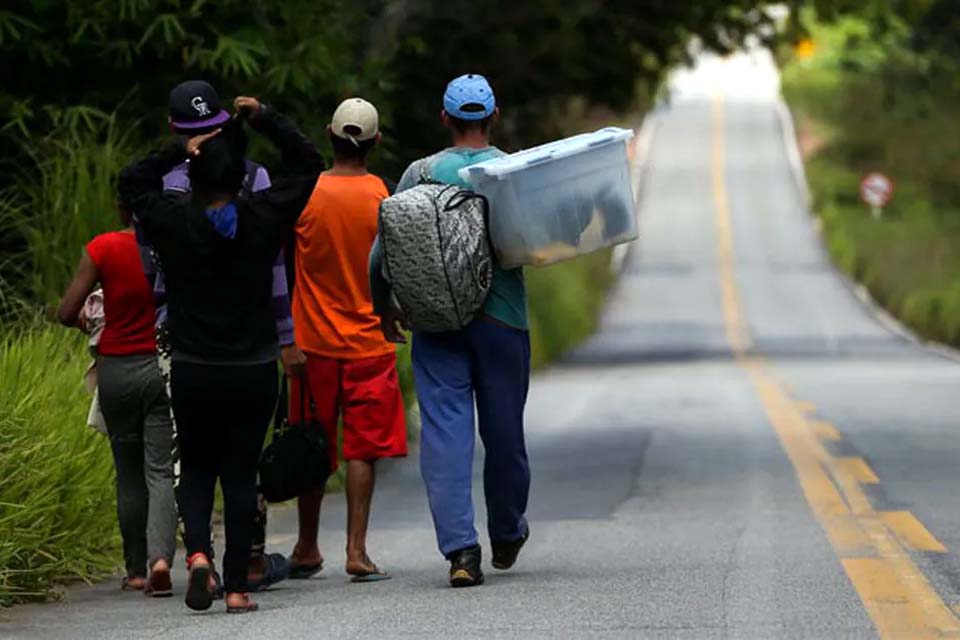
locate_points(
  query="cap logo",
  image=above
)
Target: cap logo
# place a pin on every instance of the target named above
(200, 105)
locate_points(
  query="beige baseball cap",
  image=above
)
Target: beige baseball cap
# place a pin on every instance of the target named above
(355, 120)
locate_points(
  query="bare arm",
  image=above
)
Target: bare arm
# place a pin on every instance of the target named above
(85, 278)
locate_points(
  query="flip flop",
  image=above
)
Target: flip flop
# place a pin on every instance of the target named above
(247, 607)
(159, 584)
(303, 571)
(374, 576)
(199, 596)
(125, 584)
(217, 585)
(278, 570)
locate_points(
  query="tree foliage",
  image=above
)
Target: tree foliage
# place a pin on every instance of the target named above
(69, 60)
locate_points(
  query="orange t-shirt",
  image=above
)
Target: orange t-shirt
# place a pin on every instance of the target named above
(332, 309)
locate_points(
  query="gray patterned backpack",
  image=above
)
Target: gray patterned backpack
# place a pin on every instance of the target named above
(436, 254)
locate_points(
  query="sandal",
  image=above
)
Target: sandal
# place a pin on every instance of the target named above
(278, 570)
(128, 584)
(376, 575)
(159, 584)
(216, 583)
(199, 594)
(303, 571)
(373, 574)
(248, 605)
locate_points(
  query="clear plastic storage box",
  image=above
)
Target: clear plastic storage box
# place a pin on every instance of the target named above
(559, 200)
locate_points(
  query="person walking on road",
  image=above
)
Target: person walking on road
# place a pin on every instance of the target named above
(133, 402)
(484, 366)
(351, 371)
(218, 247)
(194, 109)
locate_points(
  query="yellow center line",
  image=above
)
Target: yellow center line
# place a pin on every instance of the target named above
(826, 430)
(912, 532)
(895, 593)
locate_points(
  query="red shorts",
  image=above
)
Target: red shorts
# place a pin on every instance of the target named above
(365, 393)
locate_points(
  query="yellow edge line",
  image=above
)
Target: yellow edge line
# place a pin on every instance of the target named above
(895, 593)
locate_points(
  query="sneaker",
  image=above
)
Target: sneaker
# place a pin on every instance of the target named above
(465, 567)
(505, 553)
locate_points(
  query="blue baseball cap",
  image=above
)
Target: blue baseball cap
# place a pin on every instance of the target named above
(469, 97)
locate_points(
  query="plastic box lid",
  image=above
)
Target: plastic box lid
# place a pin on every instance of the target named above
(500, 167)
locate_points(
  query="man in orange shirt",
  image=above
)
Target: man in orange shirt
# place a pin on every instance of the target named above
(351, 369)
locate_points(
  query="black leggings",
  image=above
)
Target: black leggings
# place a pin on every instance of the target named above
(222, 414)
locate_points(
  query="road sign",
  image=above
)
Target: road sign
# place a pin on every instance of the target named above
(876, 190)
(805, 49)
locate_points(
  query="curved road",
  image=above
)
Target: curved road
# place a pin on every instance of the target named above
(742, 451)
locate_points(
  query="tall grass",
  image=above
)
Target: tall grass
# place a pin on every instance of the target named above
(64, 199)
(57, 504)
(57, 501)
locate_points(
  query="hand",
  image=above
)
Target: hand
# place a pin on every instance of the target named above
(193, 144)
(393, 323)
(241, 103)
(82, 321)
(294, 361)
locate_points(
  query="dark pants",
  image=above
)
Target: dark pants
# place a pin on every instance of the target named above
(260, 522)
(490, 364)
(222, 415)
(134, 405)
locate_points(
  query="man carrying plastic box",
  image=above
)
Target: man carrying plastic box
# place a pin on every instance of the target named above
(488, 361)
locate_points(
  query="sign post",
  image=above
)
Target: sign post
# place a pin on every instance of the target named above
(876, 190)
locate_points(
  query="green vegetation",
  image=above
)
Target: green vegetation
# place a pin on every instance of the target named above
(565, 301)
(85, 90)
(880, 93)
(57, 508)
(62, 205)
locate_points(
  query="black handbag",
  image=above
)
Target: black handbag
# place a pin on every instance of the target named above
(297, 460)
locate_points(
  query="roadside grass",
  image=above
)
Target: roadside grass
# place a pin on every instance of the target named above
(57, 504)
(864, 106)
(909, 260)
(565, 301)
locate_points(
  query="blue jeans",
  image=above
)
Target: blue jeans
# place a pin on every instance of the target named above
(488, 363)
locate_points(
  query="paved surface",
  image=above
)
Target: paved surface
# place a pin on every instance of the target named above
(717, 462)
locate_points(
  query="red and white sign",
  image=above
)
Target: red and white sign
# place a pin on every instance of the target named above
(876, 190)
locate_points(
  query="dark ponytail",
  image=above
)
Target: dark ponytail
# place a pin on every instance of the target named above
(220, 168)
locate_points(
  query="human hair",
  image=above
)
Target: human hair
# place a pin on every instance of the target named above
(220, 168)
(344, 149)
(462, 126)
(125, 211)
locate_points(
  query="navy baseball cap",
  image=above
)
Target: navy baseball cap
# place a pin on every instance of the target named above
(195, 105)
(469, 97)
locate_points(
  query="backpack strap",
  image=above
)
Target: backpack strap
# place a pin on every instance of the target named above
(424, 175)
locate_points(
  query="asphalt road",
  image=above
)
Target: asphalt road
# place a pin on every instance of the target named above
(742, 451)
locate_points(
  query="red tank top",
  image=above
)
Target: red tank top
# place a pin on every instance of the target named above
(127, 299)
